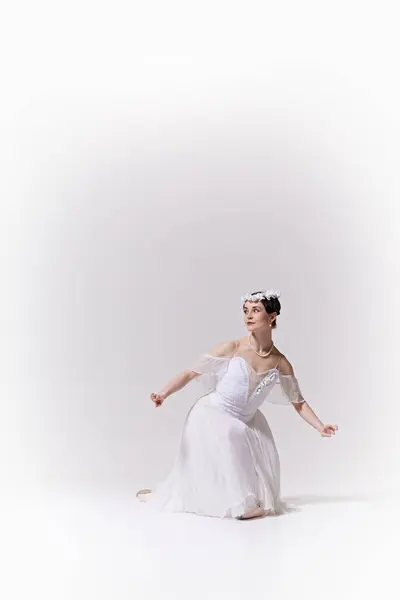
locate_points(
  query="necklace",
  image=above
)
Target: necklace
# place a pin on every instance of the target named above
(259, 353)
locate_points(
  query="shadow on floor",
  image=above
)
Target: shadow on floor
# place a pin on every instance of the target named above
(304, 499)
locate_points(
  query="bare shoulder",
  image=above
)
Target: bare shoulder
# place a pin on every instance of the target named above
(285, 366)
(224, 349)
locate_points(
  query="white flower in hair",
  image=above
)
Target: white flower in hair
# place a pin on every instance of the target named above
(267, 294)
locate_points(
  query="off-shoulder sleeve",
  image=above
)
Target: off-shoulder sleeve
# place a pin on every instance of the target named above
(207, 363)
(210, 369)
(290, 388)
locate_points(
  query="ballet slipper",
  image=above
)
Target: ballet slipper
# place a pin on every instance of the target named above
(256, 516)
(144, 491)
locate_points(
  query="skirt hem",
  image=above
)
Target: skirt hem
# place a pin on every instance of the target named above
(236, 509)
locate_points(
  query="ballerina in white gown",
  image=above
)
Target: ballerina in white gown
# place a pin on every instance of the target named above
(228, 464)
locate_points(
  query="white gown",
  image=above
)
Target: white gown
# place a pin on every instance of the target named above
(227, 463)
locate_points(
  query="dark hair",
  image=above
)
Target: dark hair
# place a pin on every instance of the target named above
(271, 305)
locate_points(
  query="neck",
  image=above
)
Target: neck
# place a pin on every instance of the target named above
(261, 340)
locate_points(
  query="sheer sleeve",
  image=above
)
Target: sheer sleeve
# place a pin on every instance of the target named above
(207, 363)
(291, 389)
(216, 360)
(210, 368)
(288, 391)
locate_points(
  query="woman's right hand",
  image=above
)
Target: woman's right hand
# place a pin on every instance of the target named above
(158, 399)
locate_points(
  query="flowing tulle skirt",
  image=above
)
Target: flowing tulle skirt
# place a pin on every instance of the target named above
(224, 467)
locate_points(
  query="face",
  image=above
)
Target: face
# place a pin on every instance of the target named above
(255, 316)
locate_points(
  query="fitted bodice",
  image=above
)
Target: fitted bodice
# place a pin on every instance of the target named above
(241, 390)
(234, 386)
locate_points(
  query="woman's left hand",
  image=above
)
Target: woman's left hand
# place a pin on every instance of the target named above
(328, 430)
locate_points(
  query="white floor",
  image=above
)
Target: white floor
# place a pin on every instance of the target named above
(91, 546)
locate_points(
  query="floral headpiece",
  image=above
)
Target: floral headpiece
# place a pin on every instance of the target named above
(267, 294)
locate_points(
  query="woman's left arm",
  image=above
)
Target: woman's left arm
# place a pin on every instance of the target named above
(304, 409)
(307, 413)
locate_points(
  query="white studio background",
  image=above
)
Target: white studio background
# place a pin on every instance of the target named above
(158, 163)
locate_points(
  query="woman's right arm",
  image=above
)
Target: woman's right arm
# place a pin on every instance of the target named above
(178, 382)
(175, 384)
(222, 350)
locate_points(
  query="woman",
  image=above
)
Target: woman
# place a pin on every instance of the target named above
(228, 464)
